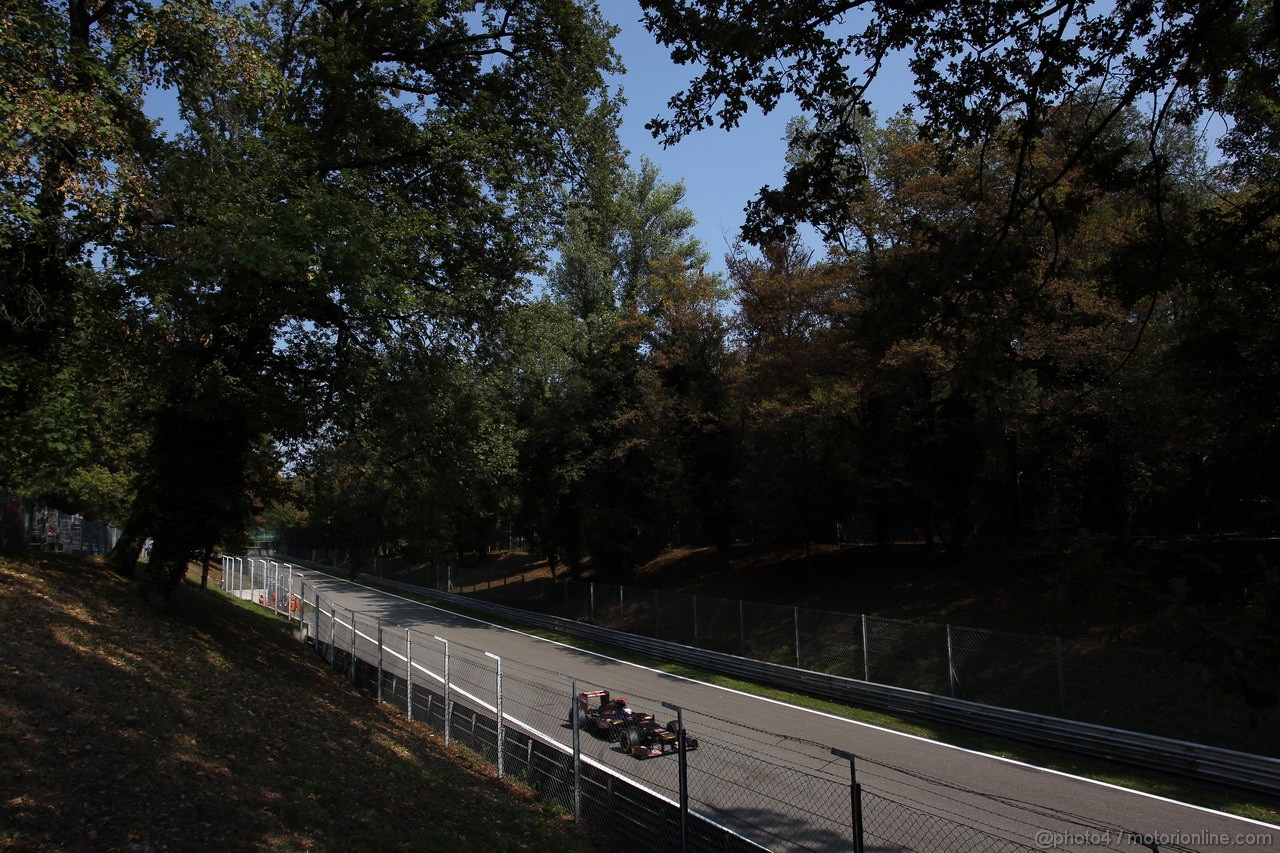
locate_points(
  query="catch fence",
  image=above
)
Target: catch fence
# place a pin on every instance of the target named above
(742, 790)
(27, 525)
(1087, 680)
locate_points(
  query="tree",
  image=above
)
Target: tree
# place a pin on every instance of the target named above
(988, 75)
(345, 174)
(460, 188)
(793, 387)
(598, 479)
(931, 373)
(74, 159)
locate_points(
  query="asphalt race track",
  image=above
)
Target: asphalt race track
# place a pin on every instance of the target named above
(766, 769)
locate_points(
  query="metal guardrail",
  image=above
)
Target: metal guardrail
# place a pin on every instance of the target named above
(1194, 761)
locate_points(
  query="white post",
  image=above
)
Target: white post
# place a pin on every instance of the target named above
(797, 620)
(353, 645)
(408, 670)
(951, 664)
(302, 601)
(498, 706)
(333, 633)
(866, 653)
(446, 689)
(577, 746)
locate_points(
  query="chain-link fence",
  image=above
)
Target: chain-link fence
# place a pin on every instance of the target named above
(27, 525)
(1080, 679)
(742, 789)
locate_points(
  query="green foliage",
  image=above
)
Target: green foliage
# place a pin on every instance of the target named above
(344, 179)
(618, 439)
(992, 77)
(1049, 313)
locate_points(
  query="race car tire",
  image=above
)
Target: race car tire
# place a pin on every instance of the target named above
(628, 738)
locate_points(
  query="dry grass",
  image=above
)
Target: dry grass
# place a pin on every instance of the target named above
(209, 728)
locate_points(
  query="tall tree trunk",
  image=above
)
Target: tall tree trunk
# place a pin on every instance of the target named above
(124, 555)
(204, 568)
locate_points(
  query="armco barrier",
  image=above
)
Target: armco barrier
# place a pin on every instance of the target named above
(1190, 760)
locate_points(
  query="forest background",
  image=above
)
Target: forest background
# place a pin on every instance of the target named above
(392, 288)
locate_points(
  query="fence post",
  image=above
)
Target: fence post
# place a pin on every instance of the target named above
(408, 672)
(591, 604)
(333, 634)
(353, 645)
(866, 654)
(1210, 717)
(797, 621)
(447, 710)
(498, 708)
(1062, 677)
(577, 747)
(683, 759)
(379, 658)
(855, 798)
(951, 667)
(622, 608)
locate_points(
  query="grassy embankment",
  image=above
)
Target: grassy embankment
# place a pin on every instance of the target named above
(209, 728)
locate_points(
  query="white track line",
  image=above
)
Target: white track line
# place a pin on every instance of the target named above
(874, 727)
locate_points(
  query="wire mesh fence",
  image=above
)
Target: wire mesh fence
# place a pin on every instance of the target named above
(746, 789)
(895, 826)
(1080, 679)
(27, 525)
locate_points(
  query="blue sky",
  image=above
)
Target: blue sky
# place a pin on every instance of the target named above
(721, 170)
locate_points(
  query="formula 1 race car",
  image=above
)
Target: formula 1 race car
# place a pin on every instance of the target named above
(637, 733)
